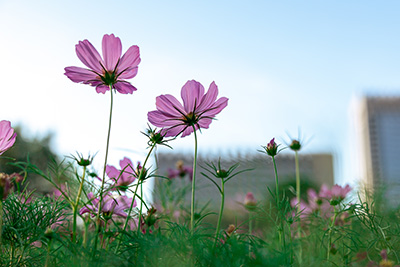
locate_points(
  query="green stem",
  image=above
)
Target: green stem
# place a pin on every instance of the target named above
(298, 194)
(280, 213)
(48, 253)
(297, 181)
(133, 198)
(220, 211)
(104, 174)
(330, 232)
(75, 208)
(276, 183)
(250, 230)
(193, 181)
(141, 207)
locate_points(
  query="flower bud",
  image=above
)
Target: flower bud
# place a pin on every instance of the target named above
(250, 201)
(231, 229)
(271, 148)
(222, 173)
(295, 145)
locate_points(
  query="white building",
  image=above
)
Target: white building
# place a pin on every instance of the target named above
(377, 123)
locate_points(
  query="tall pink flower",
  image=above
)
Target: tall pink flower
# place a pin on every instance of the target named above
(7, 136)
(111, 70)
(198, 109)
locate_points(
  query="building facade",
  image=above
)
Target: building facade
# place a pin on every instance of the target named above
(378, 130)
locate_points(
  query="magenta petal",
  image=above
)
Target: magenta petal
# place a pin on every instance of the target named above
(89, 56)
(129, 61)
(124, 87)
(112, 172)
(102, 88)
(88, 208)
(170, 105)
(205, 123)
(126, 164)
(209, 98)
(217, 107)
(112, 49)
(187, 131)
(7, 136)
(80, 75)
(192, 93)
(128, 73)
(174, 131)
(159, 119)
(109, 204)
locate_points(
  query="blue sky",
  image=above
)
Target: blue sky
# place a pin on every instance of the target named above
(284, 65)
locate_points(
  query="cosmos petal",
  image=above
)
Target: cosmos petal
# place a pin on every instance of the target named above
(209, 98)
(102, 88)
(89, 56)
(129, 61)
(80, 75)
(112, 49)
(170, 105)
(124, 87)
(192, 93)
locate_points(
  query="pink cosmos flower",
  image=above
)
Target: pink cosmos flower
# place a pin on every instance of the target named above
(339, 192)
(110, 206)
(111, 70)
(198, 109)
(7, 136)
(124, 177)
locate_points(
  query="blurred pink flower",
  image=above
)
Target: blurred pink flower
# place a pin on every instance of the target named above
(339, 192)
(7, 183)
(305, 209)
(110, 206)
(198, 109)
(111, 70)
(7, 136)
(124, 177)
(180, 171)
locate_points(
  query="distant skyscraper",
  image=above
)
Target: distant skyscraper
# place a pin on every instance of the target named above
(378, 130)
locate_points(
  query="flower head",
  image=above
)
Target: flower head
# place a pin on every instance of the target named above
(197, 111)
(271, 148)
(7, 136)
(124, 177)
(110, 206)
(295, 145)
(109, 71)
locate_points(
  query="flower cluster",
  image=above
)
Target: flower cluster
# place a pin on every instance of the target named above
(323, 202)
